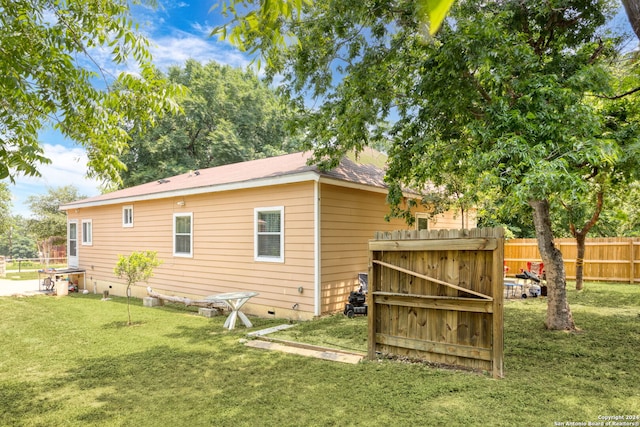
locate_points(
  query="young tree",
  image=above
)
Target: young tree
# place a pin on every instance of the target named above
(502, 97)
(49, 223)
(50, 76)
(137, 267)
(575, 212)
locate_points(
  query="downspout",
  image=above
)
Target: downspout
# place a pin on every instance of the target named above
(316, 248)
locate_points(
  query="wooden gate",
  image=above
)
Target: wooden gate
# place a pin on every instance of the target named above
(437, 296)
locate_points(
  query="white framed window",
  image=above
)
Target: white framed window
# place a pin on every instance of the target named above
(87, 232)
(269, 234)
(422, 221)
(127, 216)
(72, 245)
(183, 234)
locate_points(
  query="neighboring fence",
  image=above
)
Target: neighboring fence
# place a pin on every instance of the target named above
(25, 264)
(609, 259)
(437, 296)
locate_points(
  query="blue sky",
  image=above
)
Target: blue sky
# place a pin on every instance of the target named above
(178, 30)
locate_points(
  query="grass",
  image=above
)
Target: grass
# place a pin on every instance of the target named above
(72, 361)
(22, 275)
(26, 270)
(32, 265)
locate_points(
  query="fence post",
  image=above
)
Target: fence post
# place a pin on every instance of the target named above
(497, 278)
(632, 264)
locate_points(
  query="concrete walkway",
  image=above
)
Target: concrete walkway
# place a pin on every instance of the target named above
(19, 287)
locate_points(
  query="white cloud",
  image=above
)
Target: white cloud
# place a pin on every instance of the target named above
(173, 47)
(176, 48)
(68, 167)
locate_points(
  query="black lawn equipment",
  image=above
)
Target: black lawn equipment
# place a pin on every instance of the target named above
(356, 304)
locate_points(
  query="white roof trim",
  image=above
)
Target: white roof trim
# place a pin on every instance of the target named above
(243, 185)
(348, 184)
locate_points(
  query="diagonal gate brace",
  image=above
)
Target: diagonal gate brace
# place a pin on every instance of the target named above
(433, 279)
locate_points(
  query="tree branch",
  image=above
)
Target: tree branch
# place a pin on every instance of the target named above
(76, 38)
(594, 217)
(597, 52)
(622, 95)
(483, 92)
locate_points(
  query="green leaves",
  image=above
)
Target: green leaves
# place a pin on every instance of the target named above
(136, 267)
(229, 116)
(261, 28)
(506, 95)
(49, 76)
(433, 12)
(48, 221)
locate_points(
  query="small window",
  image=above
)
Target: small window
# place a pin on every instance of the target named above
(183, 234)
(127, 216)
(422, 221)
(269, 234)
(87, 232)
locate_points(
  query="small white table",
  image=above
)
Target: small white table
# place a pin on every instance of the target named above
(510, 287)
(235, 301)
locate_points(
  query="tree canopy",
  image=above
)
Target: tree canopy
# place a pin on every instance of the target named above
(50, 76)
(16, 241)
(229, 116)
(5, 208)
(512, 95)
(49, 223)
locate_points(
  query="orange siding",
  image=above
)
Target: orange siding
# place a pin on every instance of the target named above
(223, 247)
(349, 220)
(451, 220)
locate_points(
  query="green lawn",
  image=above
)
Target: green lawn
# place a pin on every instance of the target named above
(32, 265)
(23, 275)
(73, 361)
(26, 270)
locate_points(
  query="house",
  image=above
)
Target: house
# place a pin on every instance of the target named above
(277, 226)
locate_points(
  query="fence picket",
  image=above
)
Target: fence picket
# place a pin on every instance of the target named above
(609, 259)
(438, 296)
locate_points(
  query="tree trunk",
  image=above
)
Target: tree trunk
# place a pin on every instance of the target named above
(581, 237)
(559, 315)
(45, 247)
(187, 301)
(632, 7)
(129, 305)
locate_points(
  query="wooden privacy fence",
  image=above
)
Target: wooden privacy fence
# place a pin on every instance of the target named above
(610, 259)
(437, 296)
